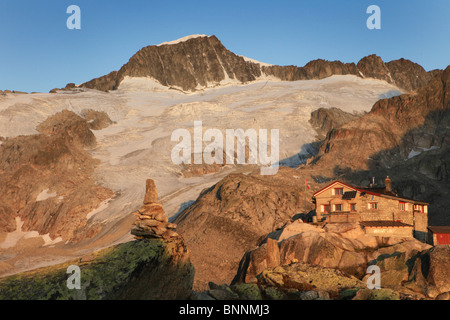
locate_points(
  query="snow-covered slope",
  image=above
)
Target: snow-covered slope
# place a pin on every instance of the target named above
(193, 36)
(256, 61)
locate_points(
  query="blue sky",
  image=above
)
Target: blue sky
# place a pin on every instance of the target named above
(38, 52)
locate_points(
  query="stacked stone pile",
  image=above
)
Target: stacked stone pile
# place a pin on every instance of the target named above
(151, 220)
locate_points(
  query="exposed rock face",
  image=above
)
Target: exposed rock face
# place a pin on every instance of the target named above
(409, 75)
(97, 120)
(70, 87)
(316, 69)
(373, 67)
(136, 270)
(324, 120)
(194, 170)
(68, 123)
(430, 273)
(231, 218)
(403, 73)
(202, 62)
(398, 125)
(47, 179)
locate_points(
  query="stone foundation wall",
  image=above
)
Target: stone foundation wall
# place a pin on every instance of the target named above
(421, 225)
(390, 232)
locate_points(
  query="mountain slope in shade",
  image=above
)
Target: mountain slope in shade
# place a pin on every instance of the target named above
(406, 137)
(393, 128)
(198, 62)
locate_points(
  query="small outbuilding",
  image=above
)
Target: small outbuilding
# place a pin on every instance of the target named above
(438, 235)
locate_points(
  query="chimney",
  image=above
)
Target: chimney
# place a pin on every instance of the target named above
(372, 184)
(387, 183)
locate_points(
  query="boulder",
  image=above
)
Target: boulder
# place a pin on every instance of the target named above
(296, 227)
(268, 256)
(376, 294)
(443, 296)
(338, 246)
(306, 277)
(430, 273)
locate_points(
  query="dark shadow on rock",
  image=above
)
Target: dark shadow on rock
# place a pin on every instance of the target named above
(389, 94)
(424, 177)
(308, 151)
(305, 217)
(183, 206)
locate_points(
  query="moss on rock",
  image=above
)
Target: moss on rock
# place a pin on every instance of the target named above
(133, 270)
(248, 291)
(304, 277)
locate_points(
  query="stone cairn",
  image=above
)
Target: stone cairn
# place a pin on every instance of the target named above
(151, 220)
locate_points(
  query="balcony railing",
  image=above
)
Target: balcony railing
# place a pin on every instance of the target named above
(341, 216)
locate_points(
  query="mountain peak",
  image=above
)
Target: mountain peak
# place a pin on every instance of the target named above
(199, 61)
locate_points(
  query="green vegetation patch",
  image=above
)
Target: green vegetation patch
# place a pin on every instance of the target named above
(101, 276)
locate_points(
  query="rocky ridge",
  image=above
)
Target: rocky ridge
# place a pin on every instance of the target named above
(202, 62)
